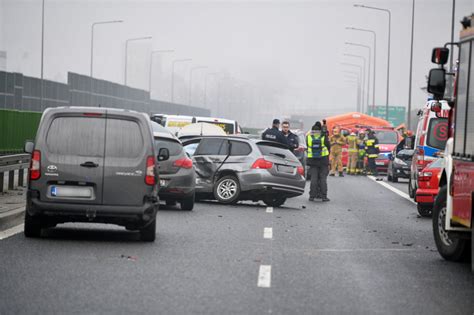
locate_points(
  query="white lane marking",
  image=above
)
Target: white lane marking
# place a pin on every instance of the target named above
(264, 276)
(393, 189)
(268, 233)
(269, 209)
(12, 231)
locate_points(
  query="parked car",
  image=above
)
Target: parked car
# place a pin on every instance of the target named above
(177, 175)
(428, 187)
(233, 168)
(93, 164)
(399, 165)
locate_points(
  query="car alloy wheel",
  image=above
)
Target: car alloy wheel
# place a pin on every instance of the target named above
(227, 189)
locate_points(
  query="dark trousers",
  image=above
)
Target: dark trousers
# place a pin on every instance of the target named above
(373, 167)
(319, 180)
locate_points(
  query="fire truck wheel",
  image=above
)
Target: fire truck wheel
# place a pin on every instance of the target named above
(424, 211)
(449, 248)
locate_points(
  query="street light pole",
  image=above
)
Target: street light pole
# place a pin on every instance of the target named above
(375, 60)
(126, 53)
(42, 53)
(92, 50)
(151, 64)
(411, 65)
(388, 52)
(172, 75)
(191, 81)
(368, 70)
(364, 78)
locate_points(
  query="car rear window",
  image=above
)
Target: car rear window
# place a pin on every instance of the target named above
(437, 133)
(174, 147)
(386, 137)
(276, 151)
(124, 139)
(80, 136)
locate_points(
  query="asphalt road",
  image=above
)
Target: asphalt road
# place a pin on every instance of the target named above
(365, 252)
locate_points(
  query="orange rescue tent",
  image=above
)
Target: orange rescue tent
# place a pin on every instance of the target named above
(350, 120)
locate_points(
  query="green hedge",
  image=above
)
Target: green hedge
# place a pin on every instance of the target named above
(16, 127)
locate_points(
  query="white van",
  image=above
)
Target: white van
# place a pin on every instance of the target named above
(175, 122)
(430, 140)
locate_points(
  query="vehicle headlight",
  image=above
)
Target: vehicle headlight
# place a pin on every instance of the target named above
(399, 161)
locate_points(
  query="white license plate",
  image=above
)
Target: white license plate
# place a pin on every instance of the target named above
(379, 163)
(164, 182)
(71, 192)
(285, 169)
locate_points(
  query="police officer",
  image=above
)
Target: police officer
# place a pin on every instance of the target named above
(274, 133)
(372, 150)
(291, 139)
(318, 162)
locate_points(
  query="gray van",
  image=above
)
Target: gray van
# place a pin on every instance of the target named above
(93, 165)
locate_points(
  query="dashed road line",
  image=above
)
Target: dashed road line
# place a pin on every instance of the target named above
(269, 209)
(12, 231)
(393, 189)
(268, 233)
(264, 276)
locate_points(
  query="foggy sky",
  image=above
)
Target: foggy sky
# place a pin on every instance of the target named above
(284, 57)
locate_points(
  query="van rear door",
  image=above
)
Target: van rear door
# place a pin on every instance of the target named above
(125, 160)
(73, 158)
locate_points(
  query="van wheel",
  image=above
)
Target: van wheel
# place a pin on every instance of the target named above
(424, 211)
(449, 248)
(227, 189)
(148, 233)
(32, 225)
(274, 201)
(187, 204)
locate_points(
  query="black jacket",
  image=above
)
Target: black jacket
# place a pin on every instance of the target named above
(273, 134)
(292, 140)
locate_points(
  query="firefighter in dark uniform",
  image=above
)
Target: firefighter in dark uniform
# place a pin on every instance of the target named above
(274, 133)
(372, 151)
(291, 139)
(318, 162)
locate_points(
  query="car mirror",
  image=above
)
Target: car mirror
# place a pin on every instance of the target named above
(29, 146)
(440, 55)
(163, 155)
(437, 82)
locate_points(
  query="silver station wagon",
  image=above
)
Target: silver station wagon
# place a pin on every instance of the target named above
(233, 168)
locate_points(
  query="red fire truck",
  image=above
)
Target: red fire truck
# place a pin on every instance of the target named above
(452, 212)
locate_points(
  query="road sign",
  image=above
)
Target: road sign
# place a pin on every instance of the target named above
(396, 114)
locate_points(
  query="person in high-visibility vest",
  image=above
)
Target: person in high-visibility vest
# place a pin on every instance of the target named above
(353, 150)
(318, 162)
(361, 154)
(372, 151)
(337, 141)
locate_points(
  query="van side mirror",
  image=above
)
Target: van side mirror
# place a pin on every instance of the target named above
(29, 146)
(163, 155)
(437, 82)
(440, 55)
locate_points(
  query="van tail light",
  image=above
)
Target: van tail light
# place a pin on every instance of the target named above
(150, 171)
(425, 176)
(35, 165)
(300, 170)
(184, 163)
(420, 159)
(262, 164)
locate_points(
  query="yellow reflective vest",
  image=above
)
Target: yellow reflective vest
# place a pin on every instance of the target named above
(316, 146)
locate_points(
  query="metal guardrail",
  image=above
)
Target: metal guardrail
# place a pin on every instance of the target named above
(9, 164)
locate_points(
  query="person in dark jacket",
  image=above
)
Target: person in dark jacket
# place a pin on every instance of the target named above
(291, 139)
(318, 162)
(274, 133)
(372, 150)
